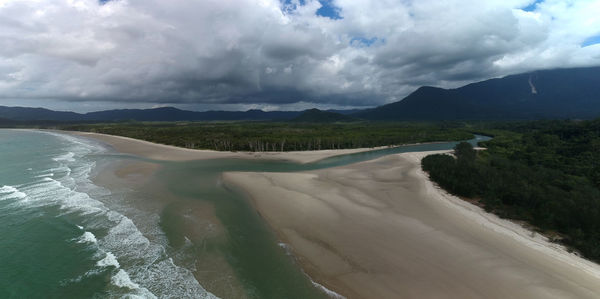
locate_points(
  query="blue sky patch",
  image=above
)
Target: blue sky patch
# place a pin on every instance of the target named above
(289, 6)
(592, 40)
(532, 6)
(363, 42)
(329, 10)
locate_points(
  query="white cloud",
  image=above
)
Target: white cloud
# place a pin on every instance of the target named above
(256, 52)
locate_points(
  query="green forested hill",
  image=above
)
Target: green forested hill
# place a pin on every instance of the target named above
(545, 94)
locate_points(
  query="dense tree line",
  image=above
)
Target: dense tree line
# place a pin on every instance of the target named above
(273, 136)
(546, 173)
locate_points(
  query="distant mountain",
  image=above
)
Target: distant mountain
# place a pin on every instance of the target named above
(319, 116)
(345, 112)
(174, 114)
(559, 93)
(547, 94)
(155, 114)
(29, 114)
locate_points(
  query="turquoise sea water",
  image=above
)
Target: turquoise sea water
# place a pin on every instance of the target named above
(57, 237)
(61, 236)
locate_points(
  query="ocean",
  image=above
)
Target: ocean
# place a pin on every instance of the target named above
(59, 238)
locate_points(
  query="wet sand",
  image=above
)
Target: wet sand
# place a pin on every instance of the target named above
(381, 229)
(188, 225)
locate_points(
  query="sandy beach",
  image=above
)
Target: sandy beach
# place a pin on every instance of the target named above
(172, 153)
(381, 229)
(378, 229)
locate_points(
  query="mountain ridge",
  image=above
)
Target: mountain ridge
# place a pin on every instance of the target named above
(544, 94)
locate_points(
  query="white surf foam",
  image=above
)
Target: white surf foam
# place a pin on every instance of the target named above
(10, 192)
(8, 189)
(50, 174)
(143, 267)
(327, 291)
(285, 248)
(66, 157)
(121, 279)
(108, 260)
(87, 237)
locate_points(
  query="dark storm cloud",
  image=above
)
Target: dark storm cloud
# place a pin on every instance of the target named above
(257, 52)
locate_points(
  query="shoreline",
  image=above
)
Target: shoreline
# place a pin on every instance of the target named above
(145, 199)
(163, 152)
(503, 250)
(187, 223)
(363, 185)
(514, 229)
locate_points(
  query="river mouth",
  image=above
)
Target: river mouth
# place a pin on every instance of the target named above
(232, 241)
(113, 225)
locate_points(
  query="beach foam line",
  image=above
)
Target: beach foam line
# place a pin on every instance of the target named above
(62, 169)
(87, 237)
(69, 157)
(50, 174)
(327, 291)
(285, 248)
(322, 288)
(121, 279)
(109, 260)
(10, 192)
(8, 189)
(139, 267)
(49, 191)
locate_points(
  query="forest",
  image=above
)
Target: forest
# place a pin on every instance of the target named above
(279, 136)
(546, 173)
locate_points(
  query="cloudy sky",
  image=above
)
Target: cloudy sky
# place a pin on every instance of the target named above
(86, 55)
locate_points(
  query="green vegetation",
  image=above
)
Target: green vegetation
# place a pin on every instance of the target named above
(272, 136)
(546, 173)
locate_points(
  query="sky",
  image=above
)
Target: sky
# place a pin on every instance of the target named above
(88, 55)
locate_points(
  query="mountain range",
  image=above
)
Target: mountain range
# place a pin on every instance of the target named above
(546, 94)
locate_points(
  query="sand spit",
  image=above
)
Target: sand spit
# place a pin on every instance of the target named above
(381, 229)
(172, 153)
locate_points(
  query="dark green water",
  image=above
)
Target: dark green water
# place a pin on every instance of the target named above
(63, 236)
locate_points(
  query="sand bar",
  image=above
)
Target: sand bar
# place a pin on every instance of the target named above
(381, 229)
(164, 152)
